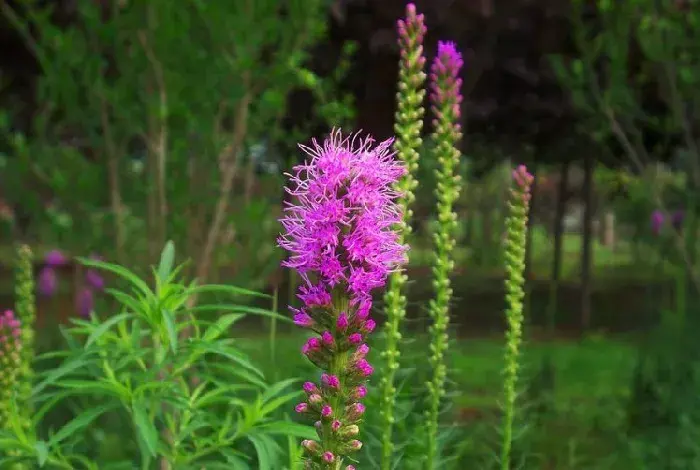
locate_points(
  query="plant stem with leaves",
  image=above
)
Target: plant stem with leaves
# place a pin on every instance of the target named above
(408, 126)
(25, 308)
(516, 236)
(445, 100)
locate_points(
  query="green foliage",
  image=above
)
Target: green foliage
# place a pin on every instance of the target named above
(408, 125)
(169, 385)
(662, 411)
(149, 109)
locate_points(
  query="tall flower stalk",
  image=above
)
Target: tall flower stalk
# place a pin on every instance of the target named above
(516, 226)
(445, 98)
(10, 362)
(341, 236)
(408, 126)
(25, 308)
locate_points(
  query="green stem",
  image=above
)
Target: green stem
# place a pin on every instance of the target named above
(408, 126)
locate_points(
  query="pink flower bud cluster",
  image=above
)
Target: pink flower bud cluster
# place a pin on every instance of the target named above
(342, 240)
(411, 33)
(523, 181)
(445, 84)
(10, 350)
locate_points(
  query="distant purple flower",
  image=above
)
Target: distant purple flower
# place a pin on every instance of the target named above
(55, 258)
(48, 281)
(657, 221)
(85, 302)
(94, 280)
(677, 219)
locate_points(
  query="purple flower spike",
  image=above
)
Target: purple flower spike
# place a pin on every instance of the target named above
(48, 281)
(342, 240)
(85, 302)
(657, 221)
(445, 82)
(346, 205)
(55, 258)
(10, 350)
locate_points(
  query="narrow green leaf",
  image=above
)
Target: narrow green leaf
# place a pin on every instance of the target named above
(272, 405)
(262, 450)
(95, 387)
(275, 389)
(244, 309)
(106, 325)
(221, 325)
(145, 428)
(224, 289)
(64, 369)
(167, 258)
(171, 329)
(289, 428)
(78, 423)
(229, 353)
(130, 302)
(42, 453)
(120, 271)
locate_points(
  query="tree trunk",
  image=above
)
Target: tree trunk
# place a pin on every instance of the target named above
(115, 193)
(558, 230)
(587, 248)
(229, 162)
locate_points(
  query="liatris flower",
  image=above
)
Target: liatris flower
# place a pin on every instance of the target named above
(408, 126)
(677, 219)
(25, 308)
(84, 302)
(55, 258)
(516, 223)
(48, 281)
(445, 99)
(341, 240)
(94, 280)
(10, 361)
(657, 221)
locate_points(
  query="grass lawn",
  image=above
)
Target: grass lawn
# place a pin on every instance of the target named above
(594, 367)
(592, 382)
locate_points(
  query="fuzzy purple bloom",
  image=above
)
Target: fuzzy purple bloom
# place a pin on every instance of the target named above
(94, 280)
(657, 221)
(48, 281)
(341, 230)
(85, 302)
(55, 258)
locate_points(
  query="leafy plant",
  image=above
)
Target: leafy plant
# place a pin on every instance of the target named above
(192, 402)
